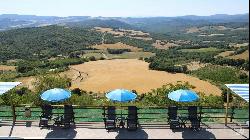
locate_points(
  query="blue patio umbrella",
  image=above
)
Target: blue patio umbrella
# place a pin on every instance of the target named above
(183, 96)
(56, 95)
(121, 95)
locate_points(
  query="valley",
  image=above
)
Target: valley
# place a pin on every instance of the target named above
(101, 54)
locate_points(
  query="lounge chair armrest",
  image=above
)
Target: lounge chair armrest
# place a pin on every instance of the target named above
(106, 119)
(110, 120)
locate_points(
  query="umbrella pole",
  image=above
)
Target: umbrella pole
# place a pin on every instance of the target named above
(121, 109)
(13, 109)
(227, 107)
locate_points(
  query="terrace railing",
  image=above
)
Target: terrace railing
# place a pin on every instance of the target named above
(145, 114)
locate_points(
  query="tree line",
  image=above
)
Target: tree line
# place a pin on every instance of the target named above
(156, 97)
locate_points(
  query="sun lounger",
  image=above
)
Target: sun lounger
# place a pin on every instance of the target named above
(68, 116)
(46, 115)
(110, 118)
(193, 117)
(68, 110)
(173, 118)
(132, 118)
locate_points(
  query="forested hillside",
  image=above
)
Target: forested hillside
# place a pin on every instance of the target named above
(45, 42)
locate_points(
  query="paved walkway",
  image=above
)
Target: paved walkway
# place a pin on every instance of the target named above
(146, 131)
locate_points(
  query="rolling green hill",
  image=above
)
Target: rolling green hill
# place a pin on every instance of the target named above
(45, 42)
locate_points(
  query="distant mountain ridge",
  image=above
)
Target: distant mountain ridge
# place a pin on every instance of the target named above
(220, 18)
(106, 23)
(151, 24)
(10, 21)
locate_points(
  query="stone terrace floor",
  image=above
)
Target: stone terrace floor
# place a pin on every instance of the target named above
(89, 130)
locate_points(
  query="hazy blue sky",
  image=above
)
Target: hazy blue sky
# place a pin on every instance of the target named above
(123, 8)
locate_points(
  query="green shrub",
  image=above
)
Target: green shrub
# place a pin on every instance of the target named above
(157, 97)
(76, 91)
(46, 82)
(92, 58)
(219, 74)
(141, 58)
(102, 58)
